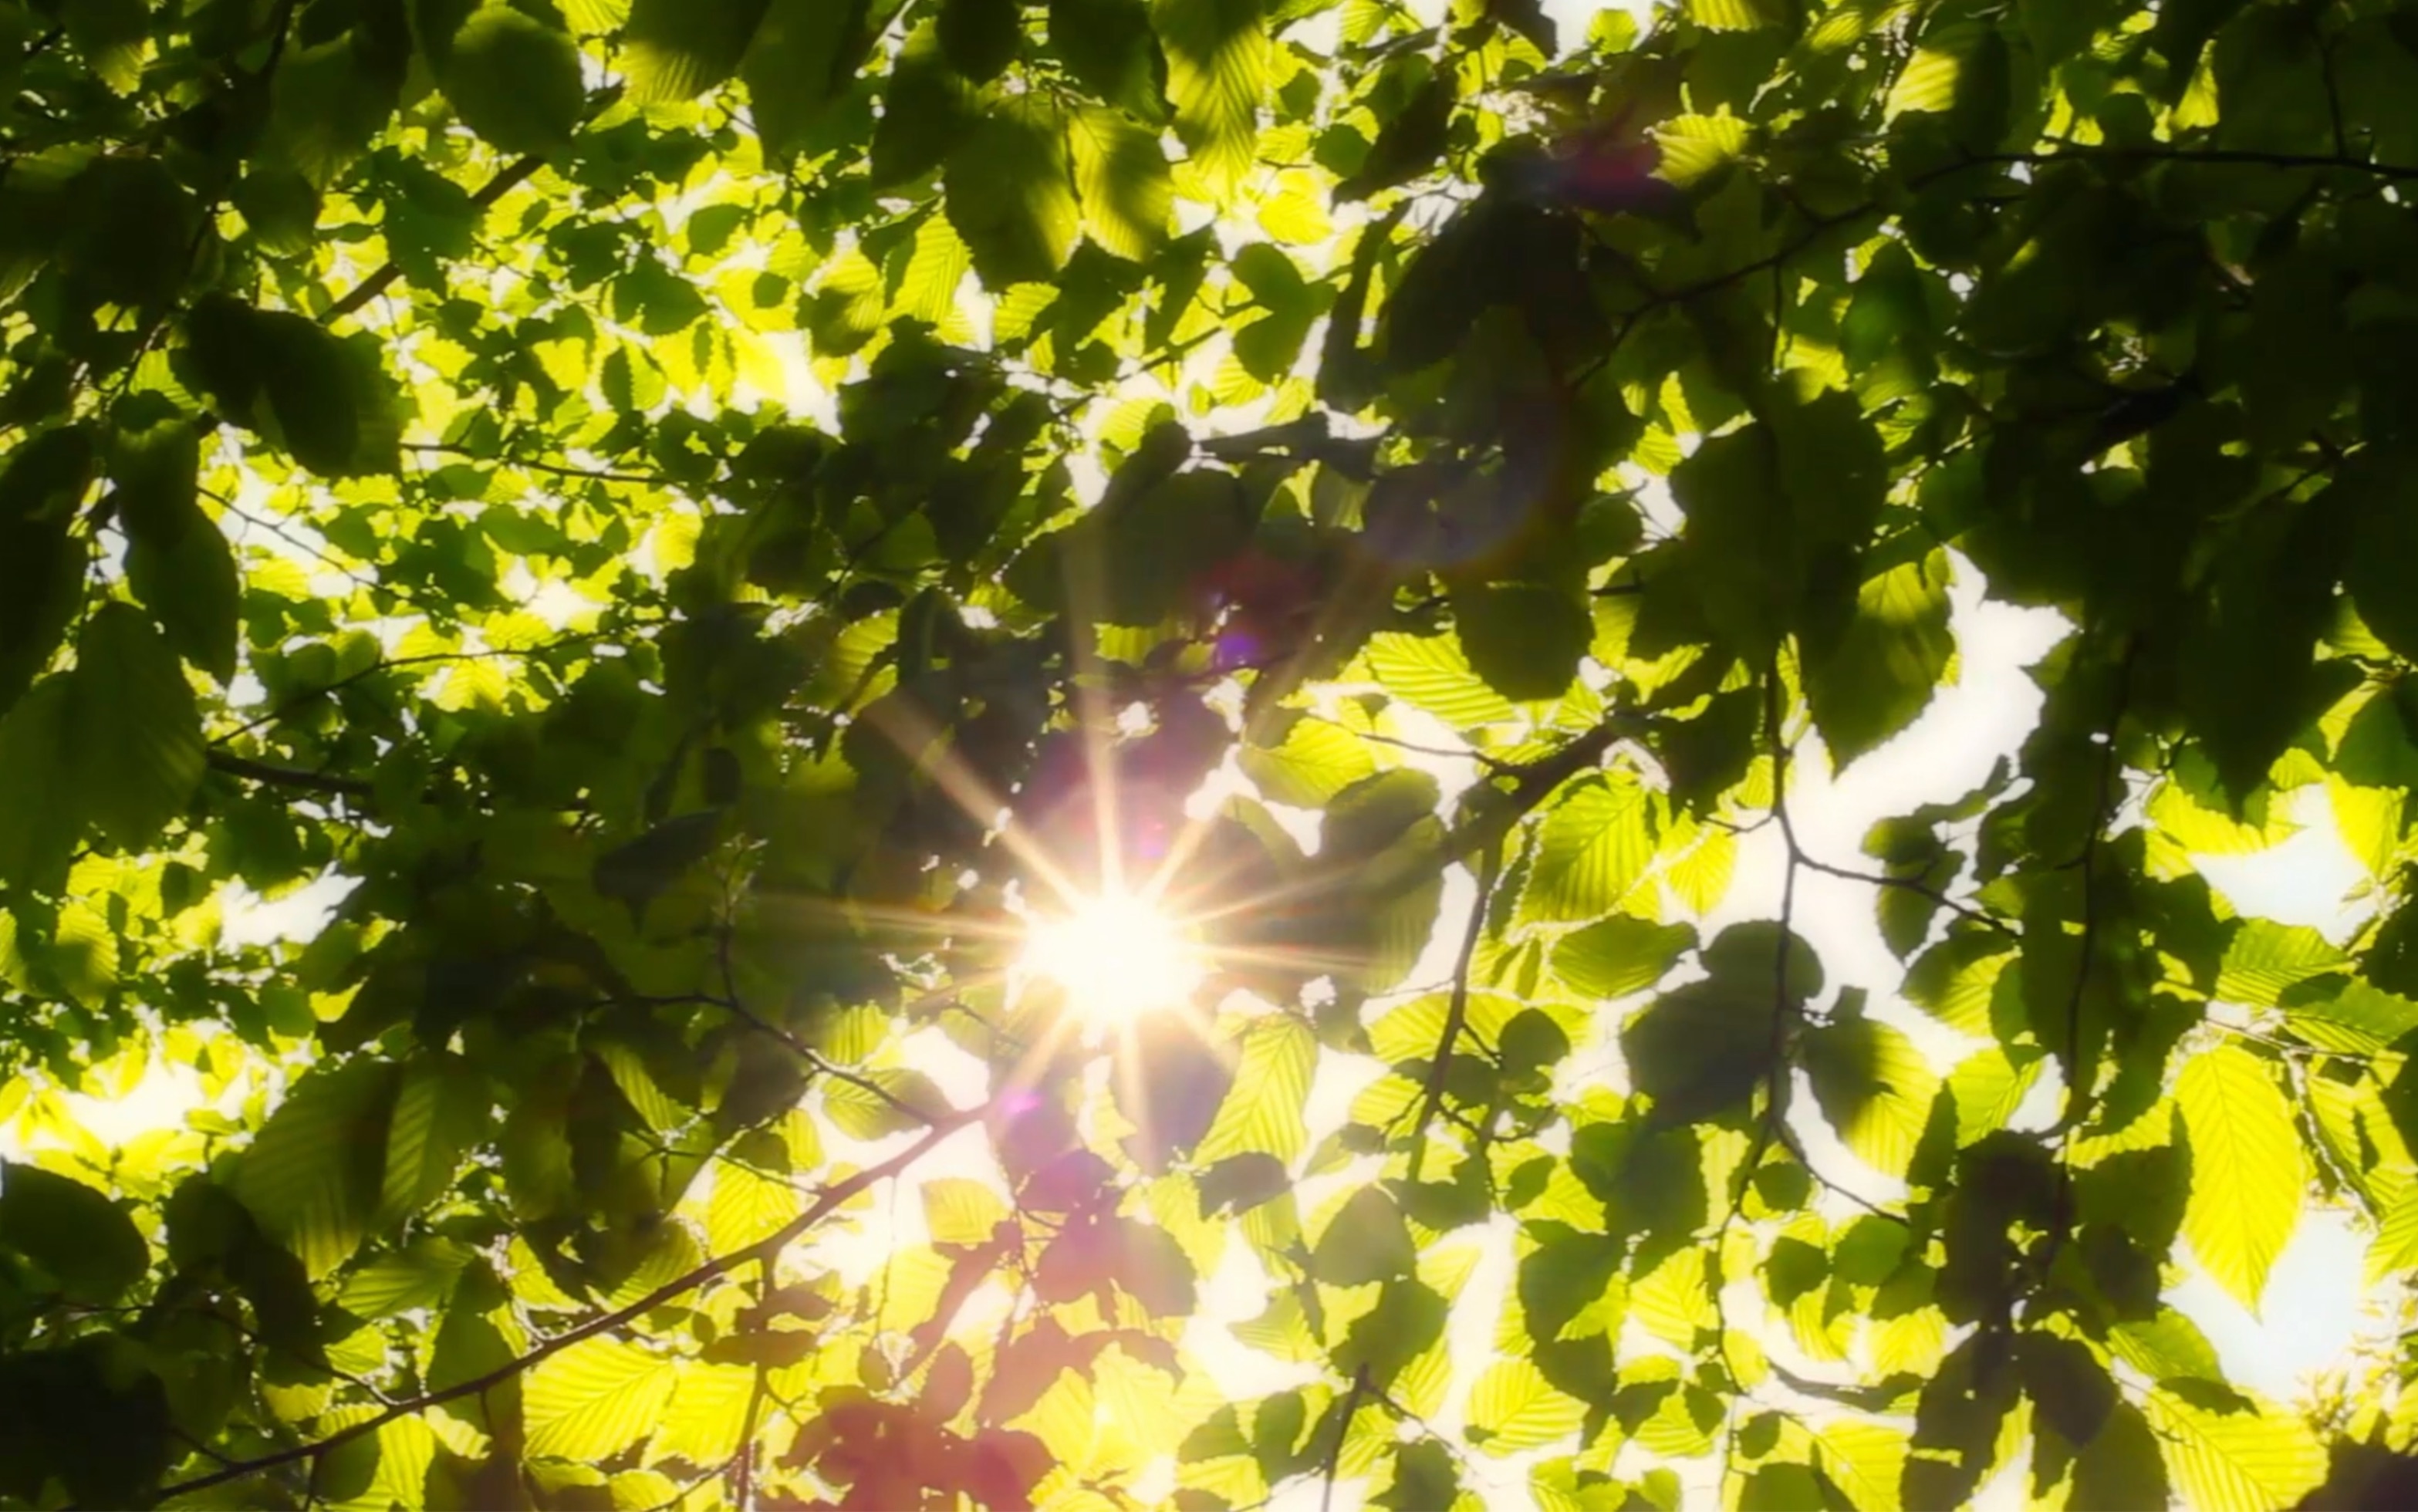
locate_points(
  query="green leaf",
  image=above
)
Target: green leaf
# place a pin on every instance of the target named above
(1865, 1459)
(313, 1177)
(1875, 1088)
(415, 1278)
(1729, 15)
(109, 34)
(41, 565)
(190, 582)
(1366, 1241)
(1515, 1408)
(802, 59)
(1008, 190)
(641, 870)
(1263, 1111)
(38, 755)
(2264, 960)
(2239, 1460)
(979, 37)
(678, 49)
(1696, 146)
(2165, 1347)
(1219, 57)
(2381, 498)
(1593, 847)
(1954, 980)
(1424, 1478)
(2070, 1387)
(1409, 144)
(1109, 46)
(596, 1398)
(2248, 1172)
(440, 1112)
(1871, 681)
(1703, 1047)
(753, 1197)
(2249, 678)
(1302, 760)
(1121, 177)
(2122, 1466)
(927, 111)
(82, 1238)
(514, 80)
(1700, 1049)
(1779, 1487)
(2353, 1017)
(1241, 1183)
(1431, 672)
(958, 1210)
(1524, 639)
(134, 728)
(1618, 955)
(1268, 347)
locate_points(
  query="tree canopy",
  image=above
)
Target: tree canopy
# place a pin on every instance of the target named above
(695, 520)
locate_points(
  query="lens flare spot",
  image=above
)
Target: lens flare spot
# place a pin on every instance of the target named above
(1116, 956)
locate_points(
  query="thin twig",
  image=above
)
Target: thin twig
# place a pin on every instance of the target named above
(558, 469)
(1909, 884)
(261, 771)
(1456, 1016)
(1342, 1431)
(513, 174)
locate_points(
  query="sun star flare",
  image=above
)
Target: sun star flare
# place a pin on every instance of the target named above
(1117, 957)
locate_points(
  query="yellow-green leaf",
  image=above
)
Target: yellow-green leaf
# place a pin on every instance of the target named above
(313, 1177)
(1121, 180)
(2245, 1461)
(1008, 190)
(1217, 60)
(596, 1398)
(958, 1210)
(1513, 1407)
(1431, 672)
(1875, 1088)
(1303, 761)
(1263, 1111)
(2247, 1172)
(1594, 844)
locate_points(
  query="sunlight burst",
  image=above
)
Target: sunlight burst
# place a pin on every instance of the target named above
(1117, 957)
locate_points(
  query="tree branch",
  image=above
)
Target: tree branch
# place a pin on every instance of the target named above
(1909, 884)
(1456, 1017)
(1532, 782)
(312, 782)
(766, 1250)
(558, 469)
(512, 175)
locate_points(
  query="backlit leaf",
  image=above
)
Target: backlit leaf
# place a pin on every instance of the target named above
(1217, 62)
(77, 1234)
(133, 726)
(1514, 1407)
(1594, 844)
(2258, 1457)
(313, 1175)
(1010, 194)
(2247, 1169)
(1121, 180)
(596, 1398)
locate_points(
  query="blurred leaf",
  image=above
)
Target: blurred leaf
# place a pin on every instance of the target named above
(1010, 193)
(75, 1233)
